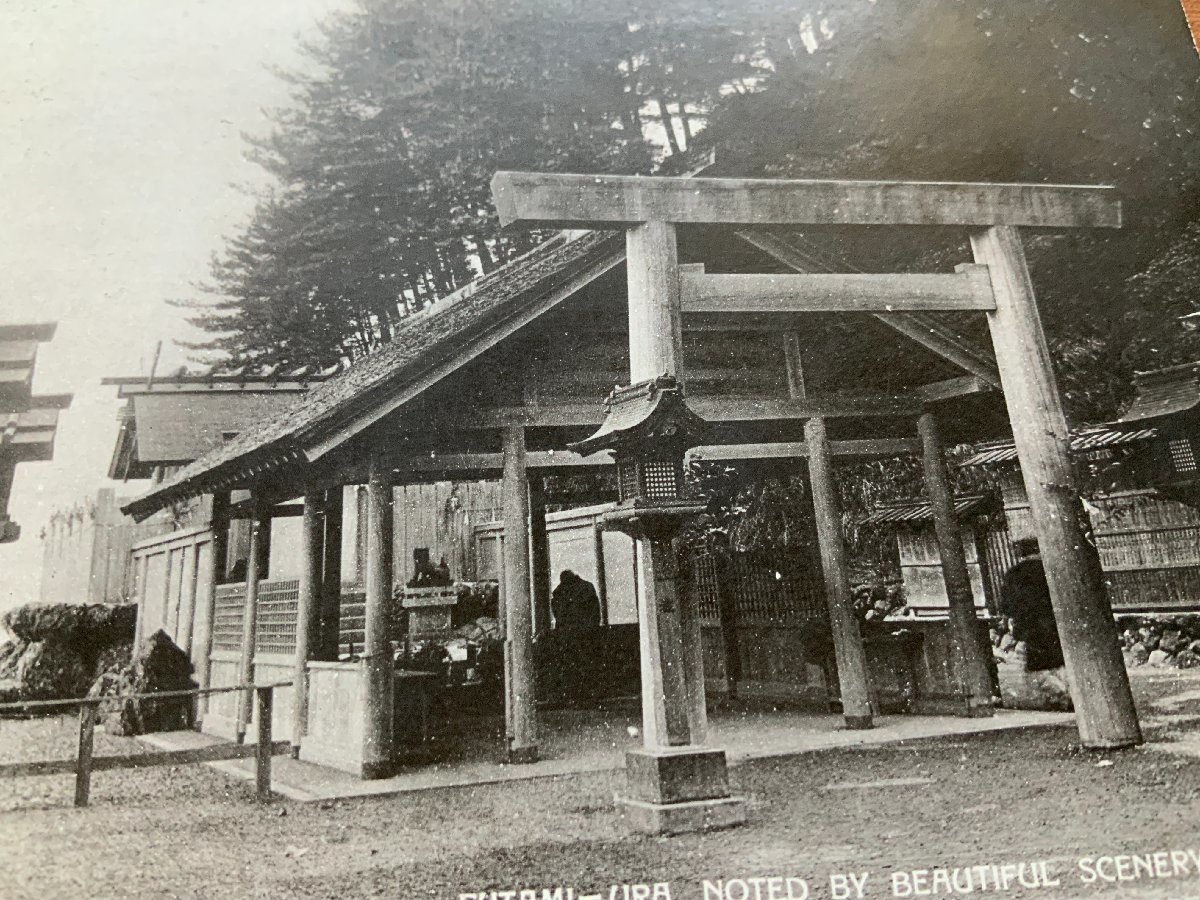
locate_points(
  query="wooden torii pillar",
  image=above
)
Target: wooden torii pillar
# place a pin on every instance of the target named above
(998, 284)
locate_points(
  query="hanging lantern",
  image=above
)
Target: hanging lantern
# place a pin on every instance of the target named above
(649, 427)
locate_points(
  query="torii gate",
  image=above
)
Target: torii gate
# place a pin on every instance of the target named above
(650, 208)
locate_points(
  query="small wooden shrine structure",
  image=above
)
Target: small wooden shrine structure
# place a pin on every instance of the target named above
(27, 422)
(502, 377)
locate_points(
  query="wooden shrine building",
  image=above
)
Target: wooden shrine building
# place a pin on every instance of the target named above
(679, 278)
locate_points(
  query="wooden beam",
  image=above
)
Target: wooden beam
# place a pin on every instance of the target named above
(884, 447)
(1104, 709)
(587, 201)
(726, 408)
(951, 388)
(966, 290)
(919, 327)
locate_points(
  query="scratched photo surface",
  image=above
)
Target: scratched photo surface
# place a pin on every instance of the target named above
(562, 450)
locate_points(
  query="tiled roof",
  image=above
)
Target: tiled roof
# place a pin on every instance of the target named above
(421, 341)
(917, 511)
(1083, 440)
(1164, 392)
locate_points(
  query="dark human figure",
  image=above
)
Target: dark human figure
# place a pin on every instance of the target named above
(574, 603)
(1025, 598)
(576, 609)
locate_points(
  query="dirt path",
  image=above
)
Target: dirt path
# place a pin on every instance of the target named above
(963, 801)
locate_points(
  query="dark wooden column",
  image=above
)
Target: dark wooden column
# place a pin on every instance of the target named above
(847, 640)
(969, 649)
(539, 546)
(259, 523)
(377, 646)
(331, 576)
(217, 549)
(519, 675)
(1104, 709)
(308, 613)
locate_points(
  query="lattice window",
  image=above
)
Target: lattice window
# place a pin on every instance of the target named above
(629, 481)
(228, 609)
(278, 604)
(660, 480)
(1183, 456)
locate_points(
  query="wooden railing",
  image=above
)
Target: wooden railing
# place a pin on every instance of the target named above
(85, 763)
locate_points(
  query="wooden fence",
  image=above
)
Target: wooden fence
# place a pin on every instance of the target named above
(85, 763)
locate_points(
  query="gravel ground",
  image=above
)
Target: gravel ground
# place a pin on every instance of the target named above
(994, 798)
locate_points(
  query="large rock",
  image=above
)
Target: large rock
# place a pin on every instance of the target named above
(159, 666)
(59, 622)
(89, 628)
(48, 670)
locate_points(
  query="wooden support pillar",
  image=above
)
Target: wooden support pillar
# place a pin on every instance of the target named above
(519, 676)
(308, 613)
(969, 649)
(847, 640)
(259, 523)
(1104, 709)
(539, 548)
(378, 666)
(187, 599)
(656, 348)
(331, 576)
(217, 549)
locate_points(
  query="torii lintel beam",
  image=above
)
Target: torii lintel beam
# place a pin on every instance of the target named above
(599, 201)
(970, 288)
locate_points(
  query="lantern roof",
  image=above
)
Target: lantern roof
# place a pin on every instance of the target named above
(650, 413)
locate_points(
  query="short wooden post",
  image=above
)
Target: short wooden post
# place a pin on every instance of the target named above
(970, 661)
(217, 549)
(1104, 710)
(331, 576)
(308, 615)
(847, 639)
(258, 524)
(378, 662)
(520, 678)
(83, 759)
(263, 700)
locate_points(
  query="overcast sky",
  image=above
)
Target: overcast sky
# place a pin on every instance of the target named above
(120, 156)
